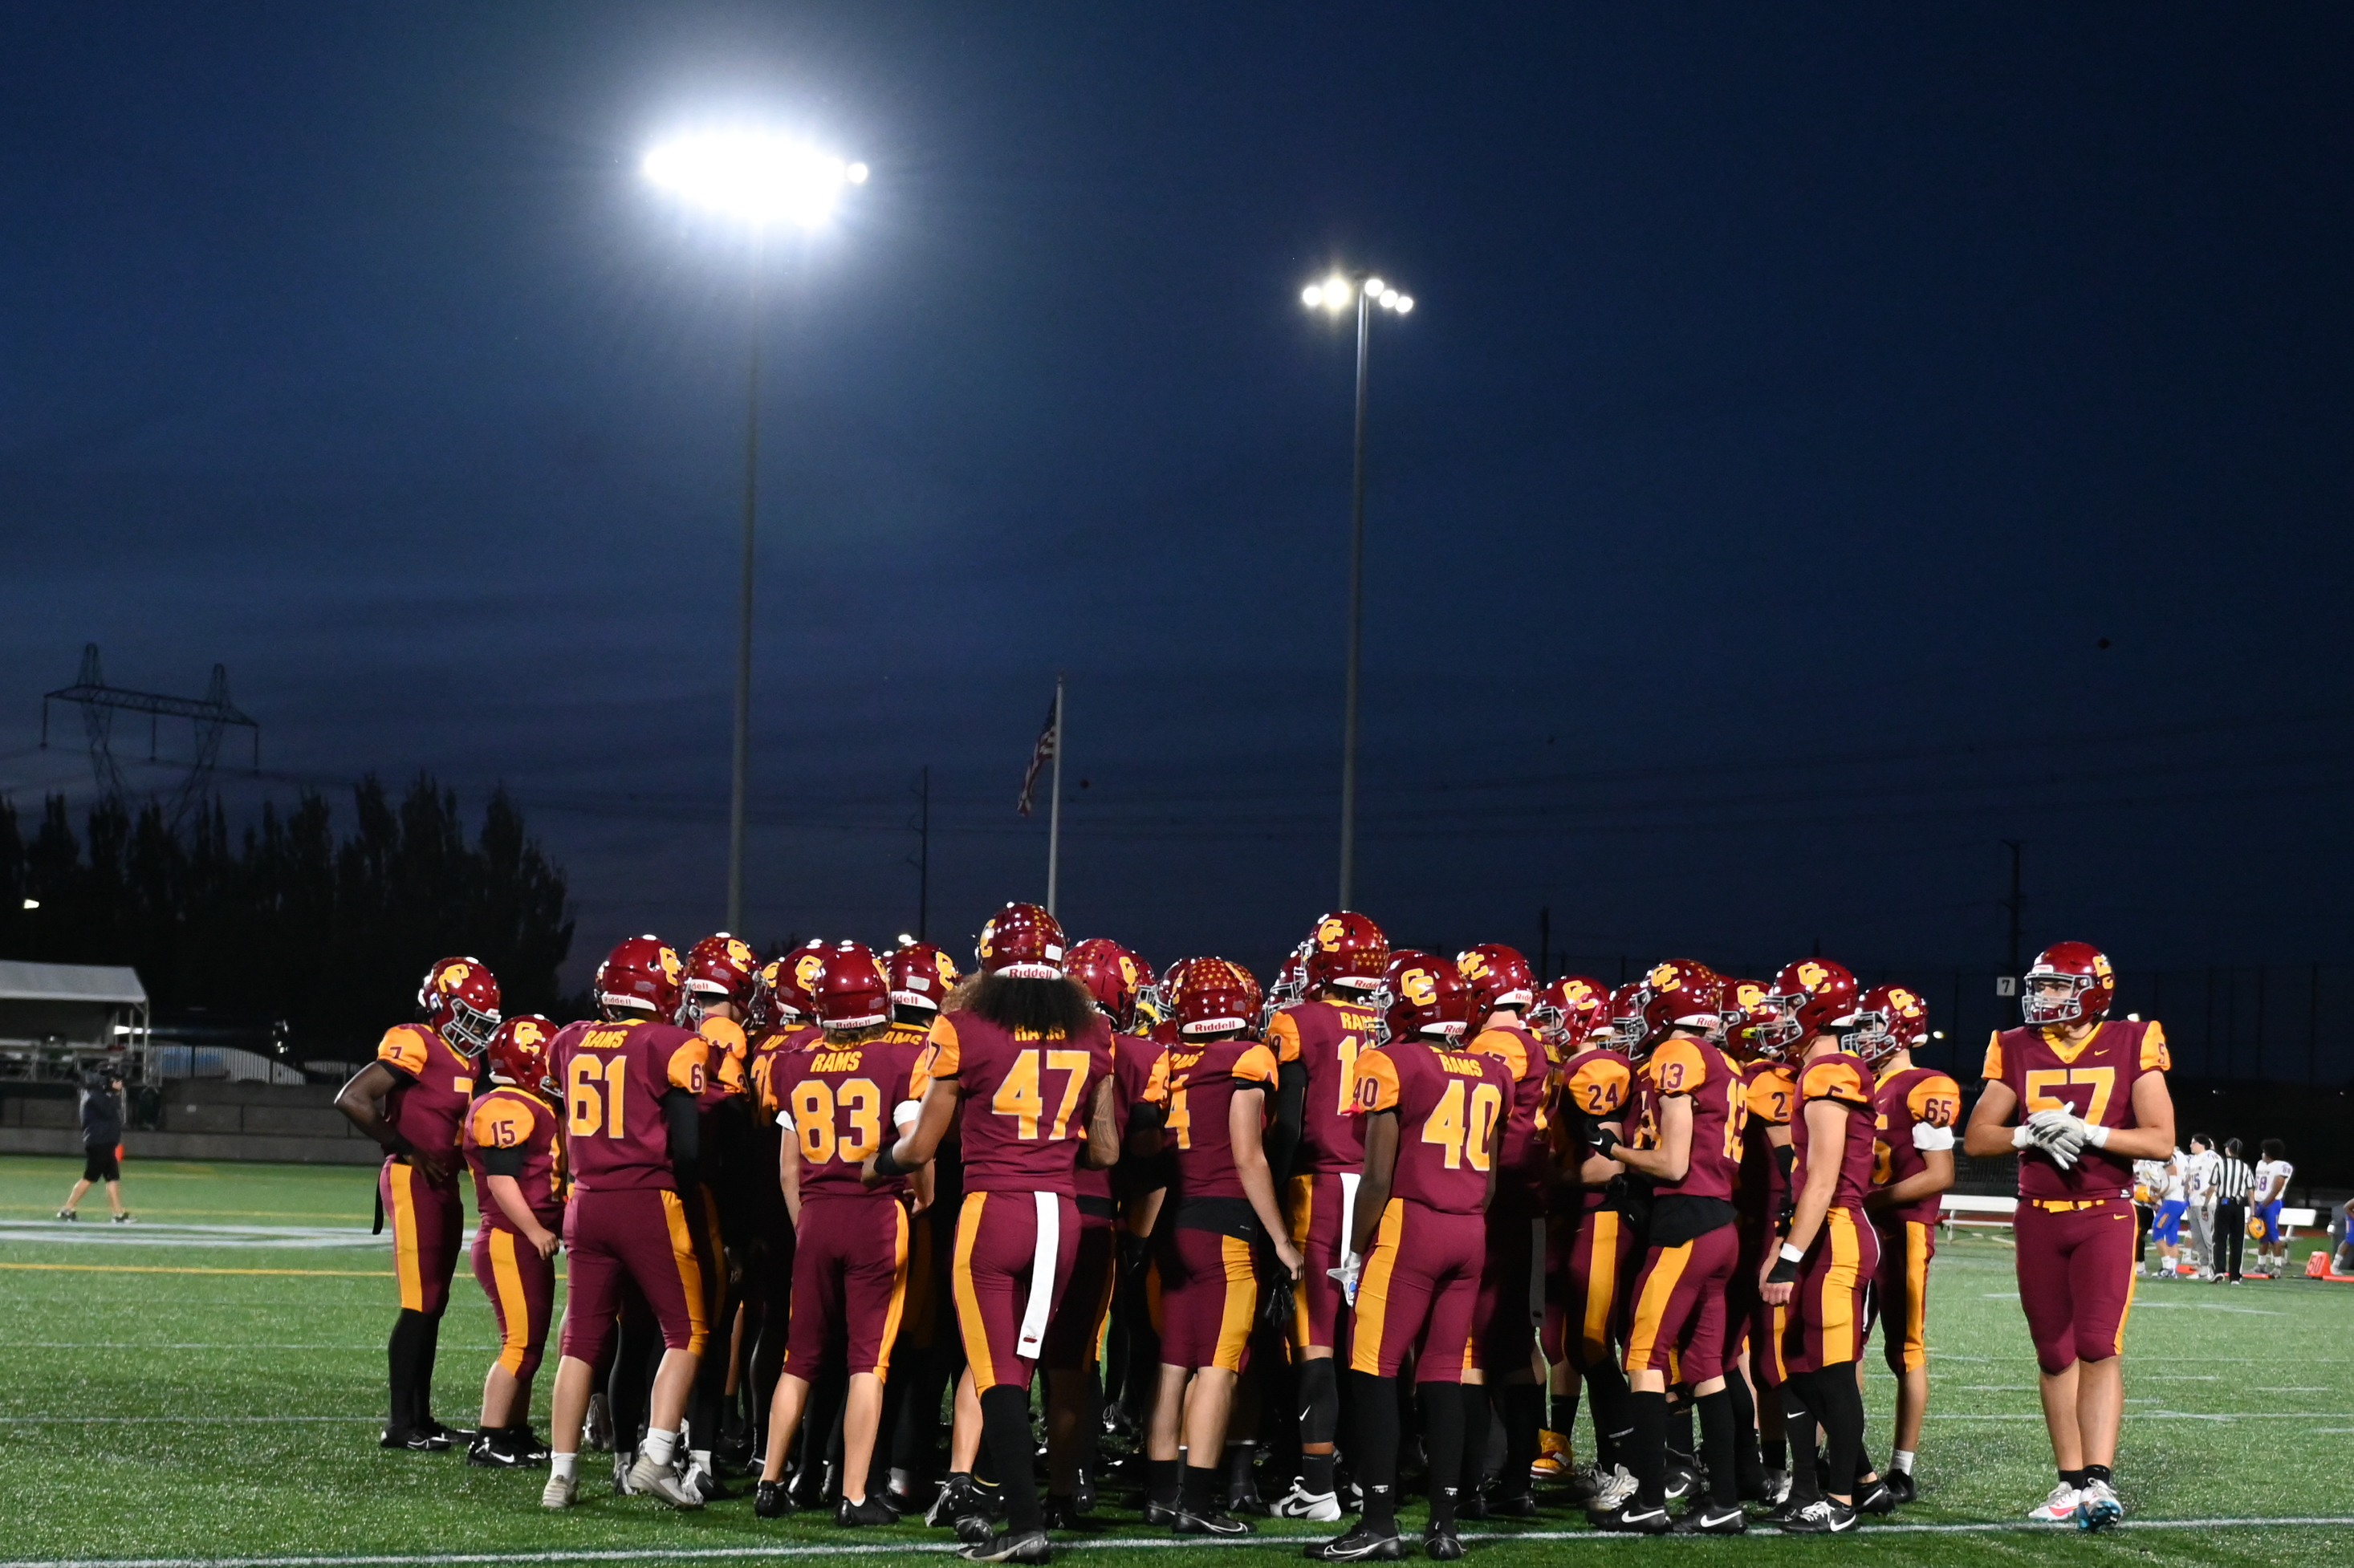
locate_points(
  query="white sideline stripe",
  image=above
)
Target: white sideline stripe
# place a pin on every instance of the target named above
(265, 1420)
(58, 1233)
(148, 1345)
(725, 1553)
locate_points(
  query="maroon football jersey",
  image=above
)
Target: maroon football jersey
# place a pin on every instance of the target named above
(767, 1050)
(2094, 1081)
(838, 1102)
(1590, 1087)
(1327, 1037)
(1024, 1112)
(435, 1083)
(1770, 1090)
(1838, 1079)
(1195, 1085)
(1527, 1166)
(1133, 1060)
(1448, 1103)
(1719, 1109)
(614, 1076)
(510, 1117)
(1903, 1100)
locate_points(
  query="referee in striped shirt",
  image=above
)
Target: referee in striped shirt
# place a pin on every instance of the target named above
(2232, 1180)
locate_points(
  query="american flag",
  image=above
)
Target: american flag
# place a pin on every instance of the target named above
(1039, 759)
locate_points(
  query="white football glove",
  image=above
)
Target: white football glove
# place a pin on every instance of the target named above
(1351, 1269)
(2059, 1134)
(1928, 1137)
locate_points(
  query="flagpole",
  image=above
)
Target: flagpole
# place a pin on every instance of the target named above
(1055, 812)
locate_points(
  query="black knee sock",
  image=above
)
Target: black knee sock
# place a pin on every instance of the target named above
(1005, 1434)
(1374, 1454)
(429, 1342)
(1320, 1419)
(1522, 1406)
(1798, 1428)
(1446, 1413)
(1716, 1424)
(400, 1358)
(1838, 1405)
(1614, 1417)
(1649, 1448)
(1748, 1465)
(1196, 1487)
(1163, 1480)
(1561, 1411)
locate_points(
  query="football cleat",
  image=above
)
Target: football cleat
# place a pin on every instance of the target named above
(974, 1528)
(2059, 1508)
(1083, 1490)
(1554, 1462)
(1706, 1519)
(1030, 1546)
(1873, 1496)
(68, 1215)
(1634, 1517)
(1581, 1483)
(1821, 1517)
(1471, 1503)
(661, 1481)
(872, 1510)
(1210, 1521)
(623, 1459)
(124, 1218)
(1778, 1487)
(414, 1442)
(599, 1432)
(706, 1485)
(1361, 1544)
(1441, 1544)
(1617, 1490)
(1680, 1479)
(1901, 1487)
(561, 1492)
(955, 1497)
(487, 1449)
(529, 1447)
(2098, 1507)
(1242, 1496)
(1300, 1503)
(444, 1436)
(769, 1501)
(1512, 1505)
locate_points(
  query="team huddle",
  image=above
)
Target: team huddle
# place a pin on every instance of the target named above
(1398, 1201)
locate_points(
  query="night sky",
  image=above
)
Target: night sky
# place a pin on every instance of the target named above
(1829, 443)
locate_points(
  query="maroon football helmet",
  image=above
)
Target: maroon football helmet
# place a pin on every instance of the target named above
(921, 975)
(1567, 1012)
(2084, 969)
(518, 1050)
(719, 968)
(1811, 997)
(1022, 941)
(1214, 996)
(1348, 950)
(1422, 997)
(641, 975)
(1113, 975)
(1890, 1018)
(850, 990)
(1679, 993)
(460, 999)
(1625, 1018)
(1747, 1006)
(1497, 976)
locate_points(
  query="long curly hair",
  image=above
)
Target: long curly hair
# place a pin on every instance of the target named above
(1050, 1009)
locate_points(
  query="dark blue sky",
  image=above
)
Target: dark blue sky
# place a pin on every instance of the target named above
(1794, 405)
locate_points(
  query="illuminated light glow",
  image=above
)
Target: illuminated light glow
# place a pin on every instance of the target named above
(1375, 287)
(755, 177)
(32, 903)
(1405, 303)
(1311, 296)
(906, 939)
(1389, 298)
(1336, 291)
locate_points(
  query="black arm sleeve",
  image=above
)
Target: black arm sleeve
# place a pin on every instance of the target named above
(1291, 1104)
(503, 1163)
(686, 1123)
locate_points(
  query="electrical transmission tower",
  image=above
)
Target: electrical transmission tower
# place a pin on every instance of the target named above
(208, 716)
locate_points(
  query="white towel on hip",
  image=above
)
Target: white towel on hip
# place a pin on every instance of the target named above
(1042, 1276)
(1348, 1180)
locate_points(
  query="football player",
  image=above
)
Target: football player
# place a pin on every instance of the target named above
(1214, 1091)
(1074, 1338)
(2173, 1202)
(1818, 1278)
(1511, 1304)
(922, 978)
(630, 1081)
(1759, 1206)
(1434, 1124)
(411, 1100)
(1587, 1240)
(714, 993)
(2265, 1199)
(850, 1263)
(1317, 1042)
(1689, 1104)
(1917, 1109)
(2079, 1098)
(518, 1168)
(1028, 1060)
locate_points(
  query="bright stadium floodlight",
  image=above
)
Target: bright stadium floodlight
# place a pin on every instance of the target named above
(757, 177)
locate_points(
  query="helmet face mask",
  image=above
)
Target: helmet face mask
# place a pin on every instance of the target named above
(1811, 997)
(459, 997)
(2070, 982)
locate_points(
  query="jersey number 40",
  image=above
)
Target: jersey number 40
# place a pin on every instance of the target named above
(1459, 1136)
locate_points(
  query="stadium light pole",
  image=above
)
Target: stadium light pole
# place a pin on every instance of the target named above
(758, 181)
(1335, 294)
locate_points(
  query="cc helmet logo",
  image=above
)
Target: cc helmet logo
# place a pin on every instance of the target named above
(1473, 966)
(453, 977)
(739, 953)
(1664, 977)
(1749, 994)
(805, 969)
(1578, 992)
(1418, 986)
(526, 1032)
(946, 969)
(1127, 975)
(669, 964)
(1903, 1002)
(2101, 971)
(1812, 974)
(1328, 935)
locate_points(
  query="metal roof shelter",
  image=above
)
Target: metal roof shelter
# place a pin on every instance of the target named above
(55, 1017)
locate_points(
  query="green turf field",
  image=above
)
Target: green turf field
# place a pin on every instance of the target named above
(204, 1397)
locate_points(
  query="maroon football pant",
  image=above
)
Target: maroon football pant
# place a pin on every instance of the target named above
(429, 1225)
(1677, 1323)
(1901, 1291)
(2075, 1278)
(522, 1288)
(1318, 1206)
(1075, 1332)
(1507, 1310)
(1582, 1322)
(850, 1278)
(1828, 1318)
(1420, 1284)
(1203, 1294)
(616, 1239)
(1003, 1241)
